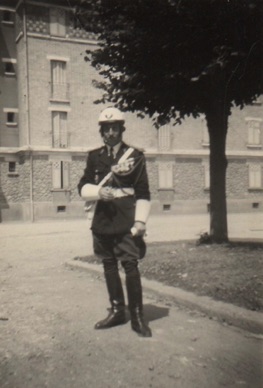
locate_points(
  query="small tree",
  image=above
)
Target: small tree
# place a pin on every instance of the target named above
(170, 59)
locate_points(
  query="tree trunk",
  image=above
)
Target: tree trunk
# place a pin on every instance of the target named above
(217, 119)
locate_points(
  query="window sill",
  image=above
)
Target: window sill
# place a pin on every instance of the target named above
(11, 124)
(12, 174)
(166, 189)
(255, 189)
(62, 37)
(65, 101)
(60, 190)
(255, 146)
(60, 147)
(257, 102)
(8, 23)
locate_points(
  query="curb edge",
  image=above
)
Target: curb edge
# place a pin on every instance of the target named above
(251, 321)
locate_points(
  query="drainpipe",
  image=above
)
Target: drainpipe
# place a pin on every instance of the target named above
(28, 115)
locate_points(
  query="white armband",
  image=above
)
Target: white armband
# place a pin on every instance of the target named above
(90, 192)
(142, 210)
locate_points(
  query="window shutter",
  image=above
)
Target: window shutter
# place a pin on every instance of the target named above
(165, 175)
(59, 129)
(56, 175)
(56, 72)
(65, 175)
(255, 176)
(254, 132)
(53, 22)
(61, 15)
(58, 80)
(164, 138)
(205, 136)
(57, 22)
(63, 130)
(56, 129)
(207, 176)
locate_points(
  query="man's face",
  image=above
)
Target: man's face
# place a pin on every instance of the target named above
(112, 133)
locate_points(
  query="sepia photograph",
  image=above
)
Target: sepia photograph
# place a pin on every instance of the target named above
(131, 193)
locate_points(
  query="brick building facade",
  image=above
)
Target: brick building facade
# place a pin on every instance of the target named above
(48, 123)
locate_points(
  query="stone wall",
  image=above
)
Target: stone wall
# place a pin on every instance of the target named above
(42, 178)
(187, 150)
(76, 171)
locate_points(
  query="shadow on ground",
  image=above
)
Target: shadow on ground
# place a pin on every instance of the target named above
(153, 312)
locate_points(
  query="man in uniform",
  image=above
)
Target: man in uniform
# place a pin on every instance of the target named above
(116, 178)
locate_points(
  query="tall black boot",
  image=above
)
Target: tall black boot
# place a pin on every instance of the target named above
(134, 291)
(117, 311)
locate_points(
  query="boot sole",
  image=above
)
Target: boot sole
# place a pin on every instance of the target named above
(110, 326)
(145, 335)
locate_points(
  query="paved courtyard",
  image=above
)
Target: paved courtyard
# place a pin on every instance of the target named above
(48, 311)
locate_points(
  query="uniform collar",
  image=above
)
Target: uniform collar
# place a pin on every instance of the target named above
(116, 148)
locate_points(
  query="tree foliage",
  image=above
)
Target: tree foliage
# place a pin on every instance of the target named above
(168, 58)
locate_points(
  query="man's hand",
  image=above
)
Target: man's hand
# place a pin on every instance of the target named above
(140, 228)
(106, 194)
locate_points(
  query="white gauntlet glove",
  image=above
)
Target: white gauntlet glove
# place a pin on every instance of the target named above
(142, 211)
(90, 192)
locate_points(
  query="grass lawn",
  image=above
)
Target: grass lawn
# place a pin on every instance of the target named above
(231, 272)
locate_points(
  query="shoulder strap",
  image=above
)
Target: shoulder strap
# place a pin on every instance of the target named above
(126, 154)
(124, 157)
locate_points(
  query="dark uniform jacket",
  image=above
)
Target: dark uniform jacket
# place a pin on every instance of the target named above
(116, 216)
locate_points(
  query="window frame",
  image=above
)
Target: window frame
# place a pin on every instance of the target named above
(254, 175)
(56, 28)
(206, 175)
(60, 175)
(9, 62)
(12, 167)
(164, 138)
(14, 113)
(58, 76)
(59, 87)
(9, 21)
(205, 137)
(254, 132)
(59, 129)
(166, 175)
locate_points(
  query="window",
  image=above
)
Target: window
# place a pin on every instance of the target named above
(59, 130)
(205, 134)
(9, 66)
(58, 72)
(60, 175)
(165, 175)
(255, 176)
(57, 22)
(254, 132)
(7, 17)
(258, 100)
(205, 137)
(61, 209)
(11, 116)
(12, 166)
(164, 138)
(58, 80)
